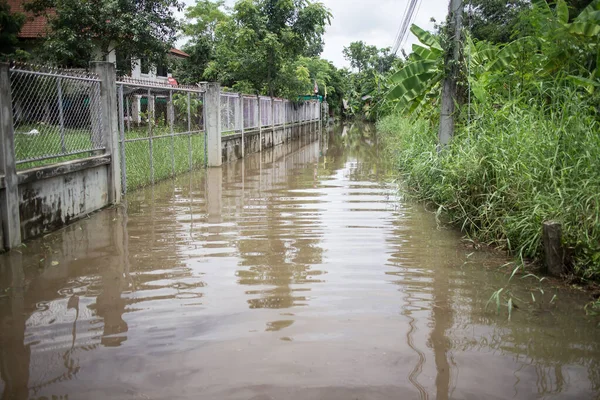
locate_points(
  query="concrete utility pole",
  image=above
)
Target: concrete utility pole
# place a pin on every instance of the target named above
(449, 90)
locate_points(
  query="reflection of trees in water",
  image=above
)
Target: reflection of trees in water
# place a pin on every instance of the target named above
(357, 142)
(279, 244)
(545, 342)
(425, 282)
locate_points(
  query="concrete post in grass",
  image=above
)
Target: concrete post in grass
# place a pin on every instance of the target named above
(554, 254)
(9, 194)
(109, 122)
(212, 124)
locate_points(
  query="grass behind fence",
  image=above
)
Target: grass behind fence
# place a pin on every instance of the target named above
(164, 165)
(47, 143)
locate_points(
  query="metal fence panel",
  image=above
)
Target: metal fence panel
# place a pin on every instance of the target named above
(56, 115)
(162, 131)
(229, 113)
(250, 105)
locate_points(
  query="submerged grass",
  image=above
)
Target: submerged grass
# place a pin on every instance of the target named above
(513, 167)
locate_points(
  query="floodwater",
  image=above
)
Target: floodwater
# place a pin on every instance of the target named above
(299, 273)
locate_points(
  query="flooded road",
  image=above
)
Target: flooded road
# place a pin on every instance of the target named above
(298, 273)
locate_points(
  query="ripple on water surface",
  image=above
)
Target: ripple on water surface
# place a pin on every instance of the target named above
(298, 273)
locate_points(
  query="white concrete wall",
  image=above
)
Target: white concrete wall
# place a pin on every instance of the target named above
(49, 204)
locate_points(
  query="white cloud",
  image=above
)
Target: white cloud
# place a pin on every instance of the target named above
(375, 22)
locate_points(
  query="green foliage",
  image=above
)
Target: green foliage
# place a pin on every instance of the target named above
(512, 169)
(365, 87)
(78, 29)
(360, 55)
(10, 25)
(418, 81)
(260, 41)
(494, 20)
(191, 70)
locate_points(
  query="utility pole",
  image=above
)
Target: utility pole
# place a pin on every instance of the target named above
(449, 90)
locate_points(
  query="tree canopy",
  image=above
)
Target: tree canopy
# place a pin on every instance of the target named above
(10, 25)
(257, 43)
(80, 31)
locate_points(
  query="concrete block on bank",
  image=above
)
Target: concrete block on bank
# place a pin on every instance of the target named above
(554, 254)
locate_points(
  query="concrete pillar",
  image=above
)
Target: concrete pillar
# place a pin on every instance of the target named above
(241, 120)
(320, 116)
(136, 108)
(110, 117)
(283, 118)
(554, 252)
(259, 124)
(9, 195)
(212, 124)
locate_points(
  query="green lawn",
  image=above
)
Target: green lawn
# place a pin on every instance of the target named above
(170, 155)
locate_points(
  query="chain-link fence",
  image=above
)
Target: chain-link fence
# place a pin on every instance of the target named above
(239, 110)
(230, 106)
(161, 131)
(250, 116)
(57, 115)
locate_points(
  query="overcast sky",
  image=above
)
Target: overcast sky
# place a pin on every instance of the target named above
(375, 22)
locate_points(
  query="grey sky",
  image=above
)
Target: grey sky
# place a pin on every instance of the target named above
(373, 21)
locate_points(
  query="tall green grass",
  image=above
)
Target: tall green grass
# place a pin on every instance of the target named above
(170, 156)
(514, 166)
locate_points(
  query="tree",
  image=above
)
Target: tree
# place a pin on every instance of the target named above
(204, 17)
(494, 20)
(201, 25)
(360, 55)
(191, 70)
(260, 42)
(80, 31)
(10, 26)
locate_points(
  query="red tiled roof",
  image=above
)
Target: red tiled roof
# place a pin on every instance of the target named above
(178, 52)
(34, 27)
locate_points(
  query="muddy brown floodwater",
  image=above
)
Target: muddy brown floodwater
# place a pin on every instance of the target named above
(299, 273)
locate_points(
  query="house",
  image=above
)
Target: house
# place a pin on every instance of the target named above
(35, 28)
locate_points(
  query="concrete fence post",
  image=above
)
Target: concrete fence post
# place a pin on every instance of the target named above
(110, 126)
(259, 124)
(9, 195)
(241, 120)
(212, 109)
(554, 252)
(283, 117)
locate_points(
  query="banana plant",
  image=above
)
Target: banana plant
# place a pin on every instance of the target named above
(412, 85)
(586, 27)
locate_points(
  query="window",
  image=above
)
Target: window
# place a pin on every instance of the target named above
(145, 66)
(161, 69)
(123, 64)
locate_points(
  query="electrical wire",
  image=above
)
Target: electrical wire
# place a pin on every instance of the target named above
(410, 13)
(405, 25)
(412, 20)
(398, 32)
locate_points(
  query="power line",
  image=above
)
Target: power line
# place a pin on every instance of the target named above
(407, 20)
(411, 22)
(401, 24)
